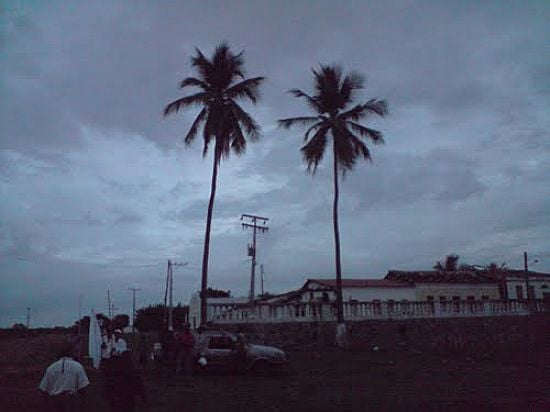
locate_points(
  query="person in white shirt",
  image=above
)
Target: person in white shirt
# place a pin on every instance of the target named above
(119, 344)
(63, 380)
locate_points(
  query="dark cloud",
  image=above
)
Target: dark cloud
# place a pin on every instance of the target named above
(98, 190)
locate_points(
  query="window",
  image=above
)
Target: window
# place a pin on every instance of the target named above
(544, 287)
(519, 292)
(430, 298)
(531, 292)
(455, 298)
(442, 299)
(484, 297)
(310, 295)
(470, 298)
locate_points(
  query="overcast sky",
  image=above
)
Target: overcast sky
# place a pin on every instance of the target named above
(97, 190)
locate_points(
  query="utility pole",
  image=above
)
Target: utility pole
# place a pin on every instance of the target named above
(262, 277)
(526, 267)
(253, 219)
(28, 318)
(168, 293)
(109, 304)
(134, 290)
(79, 315)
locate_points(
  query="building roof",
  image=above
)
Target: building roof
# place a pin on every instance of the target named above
(360, 283)
(473, 275)
(434, 276)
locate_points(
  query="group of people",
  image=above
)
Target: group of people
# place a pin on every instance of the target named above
(65, 381)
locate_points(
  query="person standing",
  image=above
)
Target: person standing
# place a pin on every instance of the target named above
(119, 344)
(123, 384)
(185, 349)
(64, 381)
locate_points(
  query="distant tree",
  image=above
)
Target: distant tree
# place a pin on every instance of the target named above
(450, 265)
(152, 318)
(221, 84)
(217, 293)
(120, 321)
(494, 267)
(18, 326)
(335, 119)
(83, 323)
(104, 321)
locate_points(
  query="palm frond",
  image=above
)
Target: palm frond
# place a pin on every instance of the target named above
(375, 106)
(352, 81)
(238, 141)
(209, 129)
(372, 134)
(312, 103)
(247, 88)
(314, 150)
(203, 65)
(313, 128)
(251, 128)
(194, 82)
(195, 126)
(293, 121)
(192, 100)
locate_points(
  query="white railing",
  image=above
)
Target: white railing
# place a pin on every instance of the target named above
(354, 311)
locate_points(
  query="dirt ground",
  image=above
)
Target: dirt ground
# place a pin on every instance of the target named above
(314, 381)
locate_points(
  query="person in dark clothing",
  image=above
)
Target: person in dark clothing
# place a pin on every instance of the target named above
(185, 350)
(123, 384)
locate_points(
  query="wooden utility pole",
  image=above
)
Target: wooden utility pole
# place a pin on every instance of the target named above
(79, 315)
(252, 248)
(168, 293)
(526, 267)
(262, 277)
(28, 318)
(134, 290)
(109, 304)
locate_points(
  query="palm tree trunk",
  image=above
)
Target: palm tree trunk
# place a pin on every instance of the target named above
(339, 303)
(206, 251)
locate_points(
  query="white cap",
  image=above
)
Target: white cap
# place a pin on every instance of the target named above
(118, 331)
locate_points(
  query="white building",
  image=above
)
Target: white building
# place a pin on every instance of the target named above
(539, 285)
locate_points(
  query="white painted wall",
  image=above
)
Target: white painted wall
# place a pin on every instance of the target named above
(462, 290)
(540, 287)
(364, 294)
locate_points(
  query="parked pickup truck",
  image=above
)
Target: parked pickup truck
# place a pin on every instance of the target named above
(229, 351)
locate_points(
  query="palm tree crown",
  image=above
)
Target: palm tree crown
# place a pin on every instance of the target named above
(334, 94)
(219, 88)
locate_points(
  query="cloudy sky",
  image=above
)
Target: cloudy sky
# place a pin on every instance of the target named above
(97, 190)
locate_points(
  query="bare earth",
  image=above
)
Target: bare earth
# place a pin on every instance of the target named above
(314, 381)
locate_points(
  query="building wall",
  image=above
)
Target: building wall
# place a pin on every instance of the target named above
(370, 294)
(364, 294)
(449, 290)
(540, 287)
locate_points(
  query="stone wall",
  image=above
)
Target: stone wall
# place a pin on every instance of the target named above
(514, 337)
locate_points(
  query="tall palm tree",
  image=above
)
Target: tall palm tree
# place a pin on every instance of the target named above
(221, 83)
(336, 116)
